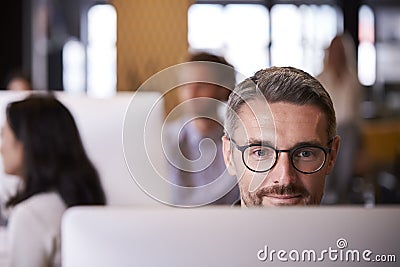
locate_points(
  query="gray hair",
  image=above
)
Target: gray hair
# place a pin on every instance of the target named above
(280, 84)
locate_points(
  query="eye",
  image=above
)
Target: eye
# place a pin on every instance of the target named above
(307, 154)
(261, 153)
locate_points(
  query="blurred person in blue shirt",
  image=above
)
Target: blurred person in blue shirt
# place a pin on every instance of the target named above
(194, 147)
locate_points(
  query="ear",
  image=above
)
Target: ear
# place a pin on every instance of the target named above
(334, 153)
(227, 151)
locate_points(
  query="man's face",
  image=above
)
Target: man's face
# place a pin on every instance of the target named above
(284, 126)
(201, 94)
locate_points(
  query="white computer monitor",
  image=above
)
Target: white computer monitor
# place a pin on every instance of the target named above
(327, 236)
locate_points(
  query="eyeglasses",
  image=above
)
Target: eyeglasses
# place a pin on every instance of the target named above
(262, 157)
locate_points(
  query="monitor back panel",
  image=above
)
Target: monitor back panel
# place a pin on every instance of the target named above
(341, 236)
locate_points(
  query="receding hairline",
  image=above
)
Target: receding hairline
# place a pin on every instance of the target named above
(248, 103)
(281, 84)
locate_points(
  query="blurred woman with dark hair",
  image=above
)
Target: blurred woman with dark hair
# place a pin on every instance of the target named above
(42, 146)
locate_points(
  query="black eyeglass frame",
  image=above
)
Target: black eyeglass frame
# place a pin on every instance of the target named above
(326, 150)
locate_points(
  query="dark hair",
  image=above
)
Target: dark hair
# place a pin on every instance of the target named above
(223, 69)
(18, 74)
(205, 56)
(54, 156)
(281, 84)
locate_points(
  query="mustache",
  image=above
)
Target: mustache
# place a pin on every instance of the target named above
(289, 189)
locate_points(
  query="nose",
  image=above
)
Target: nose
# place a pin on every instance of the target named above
(283, 173)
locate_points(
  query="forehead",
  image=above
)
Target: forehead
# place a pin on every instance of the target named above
(196, 72)
(281, 123)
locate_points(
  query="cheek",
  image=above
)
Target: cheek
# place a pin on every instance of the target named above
(239, 168)
(244, 179)
(12, 158)
(238, 165)
(248, 180)
(314, 184)
(5, 149)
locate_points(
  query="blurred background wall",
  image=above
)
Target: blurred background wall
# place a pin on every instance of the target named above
(99, 47)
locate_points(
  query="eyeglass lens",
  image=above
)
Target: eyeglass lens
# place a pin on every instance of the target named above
(305, 159)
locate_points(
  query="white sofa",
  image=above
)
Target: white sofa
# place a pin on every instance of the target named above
(101, 125)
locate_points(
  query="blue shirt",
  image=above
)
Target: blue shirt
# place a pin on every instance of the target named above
(196, 167)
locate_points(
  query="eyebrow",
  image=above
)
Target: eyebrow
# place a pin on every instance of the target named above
(309, 143)
(259, 142)
(269, 143)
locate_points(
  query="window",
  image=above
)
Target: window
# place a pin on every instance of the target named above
(387, 21)
(102, 51)
(241, 33)
(366, 48)
(300, 35)
(74, 66)
(93, 68)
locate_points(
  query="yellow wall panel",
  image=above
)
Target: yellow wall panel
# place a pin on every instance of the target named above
(152, 35)
(382, 141)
